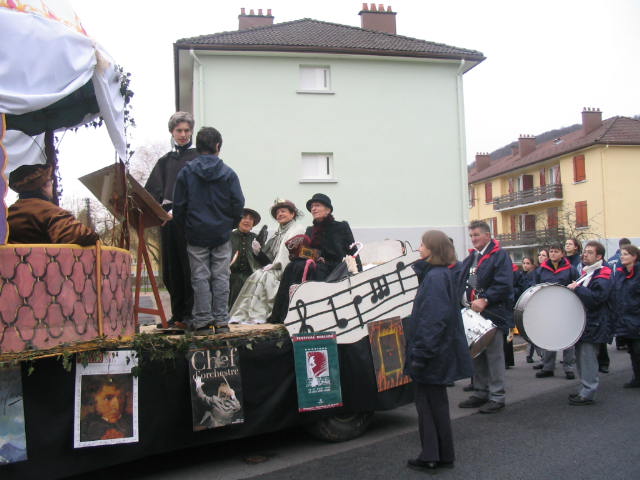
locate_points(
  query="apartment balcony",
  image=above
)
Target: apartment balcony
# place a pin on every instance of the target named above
(532, 238)
(538, 195)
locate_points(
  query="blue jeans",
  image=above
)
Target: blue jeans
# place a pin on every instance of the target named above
(210, 281)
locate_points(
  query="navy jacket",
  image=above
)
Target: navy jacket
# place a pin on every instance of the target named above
(595, 298)
(495, 283)
(437, 352)
(575, 260)
(625, 302)
(207, 201)
(564, 275)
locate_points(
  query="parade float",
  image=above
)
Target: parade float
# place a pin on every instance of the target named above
(69, 338)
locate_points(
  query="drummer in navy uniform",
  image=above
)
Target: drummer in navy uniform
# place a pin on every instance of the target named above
(486, 284)
(593, 289)
(557, 269)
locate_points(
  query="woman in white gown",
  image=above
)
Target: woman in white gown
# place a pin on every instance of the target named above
(255, 300)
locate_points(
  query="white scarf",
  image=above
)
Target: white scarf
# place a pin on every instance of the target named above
(587, 273)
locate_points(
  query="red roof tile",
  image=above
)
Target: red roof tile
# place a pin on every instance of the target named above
(614, 131)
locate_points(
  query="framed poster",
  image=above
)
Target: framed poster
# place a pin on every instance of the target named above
(216, 388)
(106, 401)
(317, 371)
(387, 349)
(13, 443)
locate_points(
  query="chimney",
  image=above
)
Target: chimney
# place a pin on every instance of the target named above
(526, 144)
(252, 20)
(377, 18)
(591, 119)
(482, 161)
(514, 149)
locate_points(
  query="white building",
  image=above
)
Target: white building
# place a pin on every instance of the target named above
(373, 119)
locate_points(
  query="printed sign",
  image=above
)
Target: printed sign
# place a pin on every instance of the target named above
(13, 444)
(216, 388)
(317, 371)
(106, 403)
(387, 349)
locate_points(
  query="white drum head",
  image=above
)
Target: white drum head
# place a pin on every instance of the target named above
(554, 318)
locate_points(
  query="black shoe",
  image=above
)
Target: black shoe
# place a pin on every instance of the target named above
(538, 366)
(472, 402)
(632, 384)
(570, 375)
(529, 359)
(222, 329)
(573, 395)
(603, 369)
(469, 388)
(491, 407)
(544, 374)
(418, 464)
(451, 384)
(579, 401)
(445, 464)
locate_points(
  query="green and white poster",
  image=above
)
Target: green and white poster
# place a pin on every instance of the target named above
(317, 371)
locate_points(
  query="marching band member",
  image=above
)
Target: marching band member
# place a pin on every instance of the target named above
(626, 305)
(486, 286)
(556, 270)
(593, 289)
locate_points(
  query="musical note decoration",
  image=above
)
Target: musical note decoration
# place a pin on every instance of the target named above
(347, 306)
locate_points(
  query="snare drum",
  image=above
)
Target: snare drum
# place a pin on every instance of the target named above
(550, 316)
(479, 331)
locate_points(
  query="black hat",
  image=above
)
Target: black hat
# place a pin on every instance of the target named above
(320, 198)
(253, 213)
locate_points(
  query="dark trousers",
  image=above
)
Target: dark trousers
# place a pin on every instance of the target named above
(509, 360)
(633, 346)
(434, 423)
(176, 273)
(603, 356)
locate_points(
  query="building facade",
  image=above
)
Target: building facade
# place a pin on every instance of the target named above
(578, 184)
(373, 119)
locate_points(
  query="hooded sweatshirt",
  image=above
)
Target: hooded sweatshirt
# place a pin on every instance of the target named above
(207, 201)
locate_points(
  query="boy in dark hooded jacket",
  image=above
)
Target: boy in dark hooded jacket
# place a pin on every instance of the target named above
(207, 205)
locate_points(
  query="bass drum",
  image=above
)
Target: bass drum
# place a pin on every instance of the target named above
(479, 331)
(550, 316)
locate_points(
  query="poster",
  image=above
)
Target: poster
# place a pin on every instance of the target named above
(387, 349)
(216, 388)
(13, 443)
(106, 400)
(317, 371)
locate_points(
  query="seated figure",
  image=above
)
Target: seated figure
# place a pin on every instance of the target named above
(332, 239)
(243, 259)
(34, 218)
(255, 300)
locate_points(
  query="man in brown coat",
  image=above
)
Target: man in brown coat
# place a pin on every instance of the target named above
(34, 218)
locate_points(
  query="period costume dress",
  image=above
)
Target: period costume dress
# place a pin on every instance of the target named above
(255, 301)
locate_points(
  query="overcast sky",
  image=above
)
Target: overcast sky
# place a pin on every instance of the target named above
(546, 60)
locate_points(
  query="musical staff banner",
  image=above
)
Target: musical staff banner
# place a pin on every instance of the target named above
(346, 307)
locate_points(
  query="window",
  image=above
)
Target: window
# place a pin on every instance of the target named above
(582, 219)
(525, 183)
(543, 177)
(552, 218)
(472, 196)
(493, 224)
(315, 79)
(579, 173)
(512, 184)
(317, 167)
(488, 193)
(554, 175)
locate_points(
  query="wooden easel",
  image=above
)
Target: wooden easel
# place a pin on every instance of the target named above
(126, 199)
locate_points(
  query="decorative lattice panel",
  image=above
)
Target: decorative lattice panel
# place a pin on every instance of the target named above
(49, 296)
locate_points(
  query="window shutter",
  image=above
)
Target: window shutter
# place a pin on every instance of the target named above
(513, 224)
(552, 218)
(581, 214)
(488, 192)
(543, 177)
(579, 173)
(529, 223)
(494, 226)
(527, 182)
(511, 185)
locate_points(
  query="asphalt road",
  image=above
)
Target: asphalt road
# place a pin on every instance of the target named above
(537, 436)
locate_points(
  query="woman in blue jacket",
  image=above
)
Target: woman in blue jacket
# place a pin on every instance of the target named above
(437, 351)
(626, 307)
